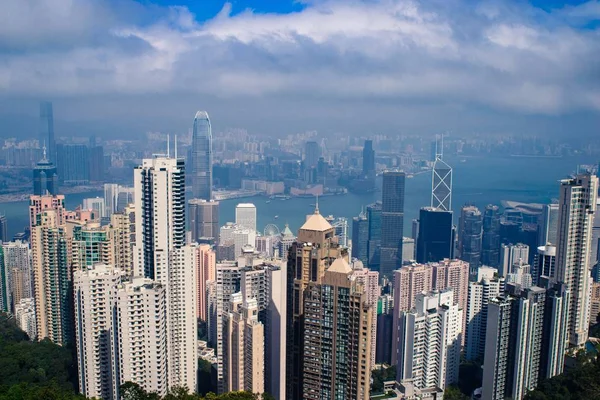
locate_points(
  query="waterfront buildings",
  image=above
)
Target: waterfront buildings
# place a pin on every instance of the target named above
(72, 161)
(202, 157)
(204, 220)
(392, 222)
(577, 203)
(245, 216)
(436, 237)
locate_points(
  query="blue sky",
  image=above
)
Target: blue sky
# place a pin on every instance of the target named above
(497, 66)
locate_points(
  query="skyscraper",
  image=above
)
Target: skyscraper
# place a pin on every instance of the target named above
(436, 240)
(441, 185)
(97, 205)
(312, 153)
(430, 341)
(548, 228)
(360, 238)
(313, 252)
(204, 219)
(202, 157)
(245, 216)
(47, 129)
(511, 254)
(374, 243)
(544, 263)
(335, 307)
(45, 177)
(17, 261)
(72, 161)
(392, 222)
(577, 203)
(368, 158)
(490, 248)
(207, 265)
(470, 230)
(3, 228)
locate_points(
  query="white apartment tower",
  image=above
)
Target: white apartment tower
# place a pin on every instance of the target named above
(511, 254)
(95, 292)
(577, 204)
(245, 216)
(17, 261)
(25, 316)
(430, 341)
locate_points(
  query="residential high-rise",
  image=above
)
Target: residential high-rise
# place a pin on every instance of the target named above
(335, 307)
(245, 216)
(47, 129)
(25, 316)
(45, 177)
(204, 220)
(392, 222)
(408, 250)
(17, 262)
(244, 347)
(3, 229)
(116, 198)
(374, 243)
(5, 289)
(436, 240)
(142, 331)
(595, 255)
(577, 203)
(97, 205)
(96, 337)
(490, 248)
(511, 254)
(548, 228)
(370, 283)
(313, 252)
(514, 344)
(207, 264)
(487, 287)
(360, 238)
(556, 332)
(51, 275)
(430, 341)
(312, 153)
(202, 157)
(72, 162)
(368, 158)
(544, 263)
(470, 232)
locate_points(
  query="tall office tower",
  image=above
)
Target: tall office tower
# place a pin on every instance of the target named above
(360, 238)
(312, 153)
(514, 344)
(95, 303)
(17, 262)
(490, 248)
(3, 229)
(275, 334)
(548, 226)
(370, 283)
(286, 240)
(47, 129)
(470, 228)
(142, 329)
(52, 278)
(241, 238)
(578, 197)
(72, 162)
(160, 215)
(435, 241)
(511, 254)
(374, 243)
(45, 177)
(245, 216)
(595, 255)
(244, 347)
(97, 205)
(430, 342)
(368, 158)
(544, 263)
(340, 225)
(207, 264)
(556, 333)
(25, 316)
(336, 307)
(204, 219)
(408, 250)
(308, 258)
(441, 185)
(96, 163)
(487, 287)
(392, 222)
(202, 157)
(5, 288)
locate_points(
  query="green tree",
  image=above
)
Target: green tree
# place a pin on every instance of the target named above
(454, 393)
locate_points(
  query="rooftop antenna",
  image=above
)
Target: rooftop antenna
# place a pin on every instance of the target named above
(176, 147)
(317, 205)
(168, 145)
(44, 151)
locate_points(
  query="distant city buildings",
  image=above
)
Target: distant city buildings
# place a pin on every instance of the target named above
(245, 216)
(436, 235)
(204, 220)
(392, 222)
(490, 247)
(202, 157)
(46, 137)
(470, 234)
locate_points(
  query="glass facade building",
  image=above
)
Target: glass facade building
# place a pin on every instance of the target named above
(202, 157)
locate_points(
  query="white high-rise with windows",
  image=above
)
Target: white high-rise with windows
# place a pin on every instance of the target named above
(245, 216)
(25, 316)
(95, 292)
(577, 204)
(429, 341)
(17, 263)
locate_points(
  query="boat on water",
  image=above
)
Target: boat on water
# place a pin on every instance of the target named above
(268, 201)
(277, 216)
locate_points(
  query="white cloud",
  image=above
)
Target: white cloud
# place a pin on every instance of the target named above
(495, 55)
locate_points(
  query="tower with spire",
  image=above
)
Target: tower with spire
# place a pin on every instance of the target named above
(45, 177)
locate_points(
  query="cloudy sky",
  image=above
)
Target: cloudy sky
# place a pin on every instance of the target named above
(124, 67)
